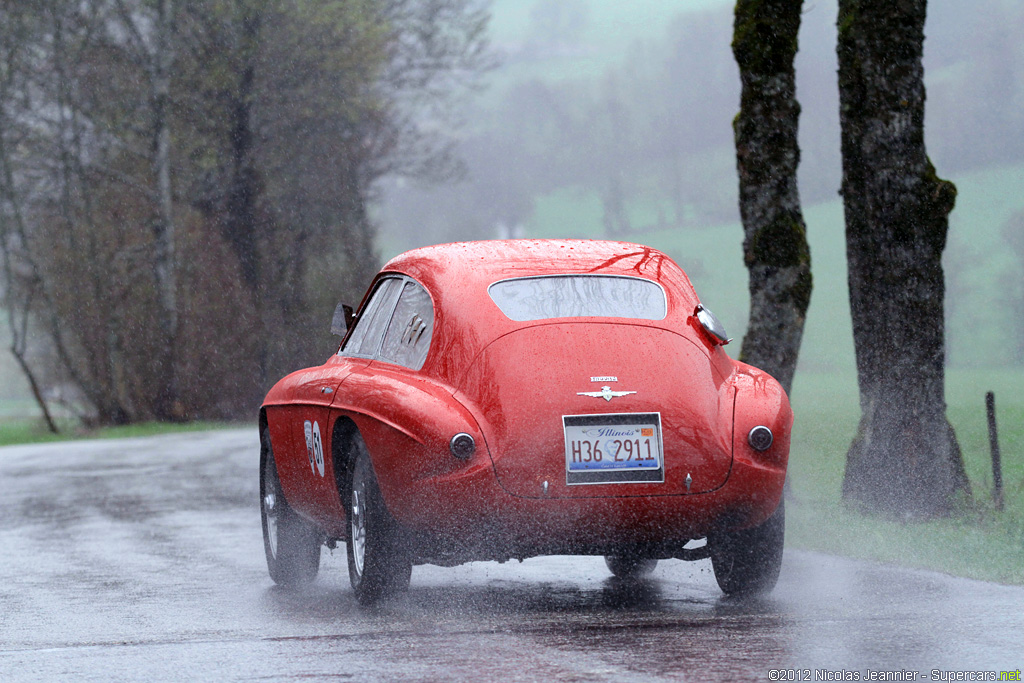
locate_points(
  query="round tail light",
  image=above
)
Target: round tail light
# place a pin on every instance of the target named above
(760, 438)
(462, 446)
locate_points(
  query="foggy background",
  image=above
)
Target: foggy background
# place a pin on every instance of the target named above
(613, 120)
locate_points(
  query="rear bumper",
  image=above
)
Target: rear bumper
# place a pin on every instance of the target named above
(476, 519)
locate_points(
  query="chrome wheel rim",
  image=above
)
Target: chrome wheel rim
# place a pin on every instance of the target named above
(270, 509)
(358, 527)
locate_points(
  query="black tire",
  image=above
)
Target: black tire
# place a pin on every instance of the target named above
(379, 565)
(292, 544)
(747, 562)
(630, 566)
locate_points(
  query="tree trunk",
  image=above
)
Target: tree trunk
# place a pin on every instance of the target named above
(905, 461)
(775, 247)
(167, 403)
(37, 392)
(240, 228)
(243, 190)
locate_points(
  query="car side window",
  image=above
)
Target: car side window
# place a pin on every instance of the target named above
(408, 337)
(373, 319)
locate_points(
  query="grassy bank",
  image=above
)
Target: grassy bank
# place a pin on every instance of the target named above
(979, 542)
(21, 430)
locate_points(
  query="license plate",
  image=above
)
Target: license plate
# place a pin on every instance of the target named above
(618, 448)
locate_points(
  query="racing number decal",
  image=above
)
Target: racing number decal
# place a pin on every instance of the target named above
(314, 447)
(318, 449)
(308, 428)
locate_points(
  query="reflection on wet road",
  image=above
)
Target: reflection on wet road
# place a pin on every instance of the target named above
(142, 559)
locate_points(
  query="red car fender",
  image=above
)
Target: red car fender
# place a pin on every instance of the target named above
(760, 400)
(306, 395)
(407, 424)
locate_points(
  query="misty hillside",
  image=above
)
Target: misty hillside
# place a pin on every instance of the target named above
(606, 121)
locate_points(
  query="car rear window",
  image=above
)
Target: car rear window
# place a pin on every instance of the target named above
(576, 296)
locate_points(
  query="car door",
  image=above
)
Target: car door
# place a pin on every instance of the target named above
(307, 477)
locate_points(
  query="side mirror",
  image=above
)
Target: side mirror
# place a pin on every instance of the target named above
(343, 319)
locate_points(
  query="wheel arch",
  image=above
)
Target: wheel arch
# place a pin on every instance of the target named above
(263, 425)
(264, 432)
(343, 433)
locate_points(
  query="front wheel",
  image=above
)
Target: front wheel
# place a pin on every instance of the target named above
(747, 562)
(378, 560)
(292, 544)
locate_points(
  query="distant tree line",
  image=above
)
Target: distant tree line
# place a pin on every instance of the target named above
(185, 184)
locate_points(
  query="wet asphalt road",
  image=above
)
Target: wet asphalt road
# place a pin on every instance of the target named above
(142, 559)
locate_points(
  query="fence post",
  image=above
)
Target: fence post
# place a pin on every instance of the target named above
(993, 442)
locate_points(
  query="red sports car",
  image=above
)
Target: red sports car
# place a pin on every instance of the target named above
(500, 400)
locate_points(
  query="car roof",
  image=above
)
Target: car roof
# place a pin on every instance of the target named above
(458, 274)
(485, 262)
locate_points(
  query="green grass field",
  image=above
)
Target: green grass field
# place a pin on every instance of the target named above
(26, 430)
(978, 542)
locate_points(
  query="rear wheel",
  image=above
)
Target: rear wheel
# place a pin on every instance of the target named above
(747, 562)
(292, 544)
(630, 566)
(378, 559)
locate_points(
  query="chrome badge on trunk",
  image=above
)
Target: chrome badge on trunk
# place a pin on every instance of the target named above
(606, 393)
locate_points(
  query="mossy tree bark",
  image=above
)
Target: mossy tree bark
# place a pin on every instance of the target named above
(775, 246)
(905, 461)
